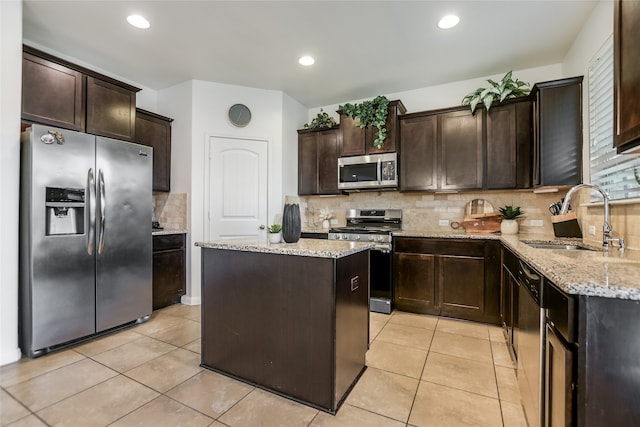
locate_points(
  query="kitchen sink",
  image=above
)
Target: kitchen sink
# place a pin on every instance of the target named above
(558, 246)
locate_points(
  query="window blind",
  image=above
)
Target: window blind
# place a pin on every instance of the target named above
(618, 175)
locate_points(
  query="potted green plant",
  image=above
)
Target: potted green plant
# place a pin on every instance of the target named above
(509, 214)
(275, 233)
(498, 91)
(321, 121)
(372, 112)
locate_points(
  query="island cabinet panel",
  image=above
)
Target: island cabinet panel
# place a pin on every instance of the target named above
(357, 141)
(449, 277)
(295, 325)
(318, 161)
(52, 94)
(626, 93)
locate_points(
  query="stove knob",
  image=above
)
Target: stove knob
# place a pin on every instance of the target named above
(357, 237)
(380, 238)
(372, 238)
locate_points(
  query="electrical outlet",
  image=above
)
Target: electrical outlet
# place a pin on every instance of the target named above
(537, 223)
(443, 222)
(592, 230)
(334, 222)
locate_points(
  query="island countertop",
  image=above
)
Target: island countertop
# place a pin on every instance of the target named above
(583, 272)
(319, 248)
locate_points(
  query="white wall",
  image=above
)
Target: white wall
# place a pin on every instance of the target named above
(293, 118)
(596, 31)
(10, 100)
(209, 105)
(451, 94)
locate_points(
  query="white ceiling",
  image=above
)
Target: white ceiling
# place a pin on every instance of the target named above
(362, 48)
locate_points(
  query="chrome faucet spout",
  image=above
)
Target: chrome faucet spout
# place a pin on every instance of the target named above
(606, 228)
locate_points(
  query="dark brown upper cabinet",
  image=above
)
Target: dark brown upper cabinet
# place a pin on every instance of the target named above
(358, 141)
(111, 110)
(509, 145)
(441, 150)
(52, 93)
(58, 93)
(418, 159)
(557, 132)
(626, 78)
(154, 131)
(460, 146)
(318, 161)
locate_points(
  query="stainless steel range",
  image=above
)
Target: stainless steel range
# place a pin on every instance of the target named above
(374, 225)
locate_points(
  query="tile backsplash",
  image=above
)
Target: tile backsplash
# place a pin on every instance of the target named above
(170, 210)
(424, 211)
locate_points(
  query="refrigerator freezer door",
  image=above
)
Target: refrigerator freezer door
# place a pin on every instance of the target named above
(125, 208)
(57, 272)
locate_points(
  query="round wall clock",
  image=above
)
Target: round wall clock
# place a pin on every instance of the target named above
(239, 115)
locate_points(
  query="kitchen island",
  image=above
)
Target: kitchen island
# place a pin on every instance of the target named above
(291, 318)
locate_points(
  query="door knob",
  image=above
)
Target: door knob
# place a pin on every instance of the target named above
(262, 227)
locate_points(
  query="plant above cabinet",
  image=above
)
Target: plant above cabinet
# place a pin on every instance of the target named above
(504, 89)
(372, 112)
(321, 121)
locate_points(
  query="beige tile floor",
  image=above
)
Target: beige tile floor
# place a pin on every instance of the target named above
(422, 371)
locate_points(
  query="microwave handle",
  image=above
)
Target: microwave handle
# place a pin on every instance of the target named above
(379, 171)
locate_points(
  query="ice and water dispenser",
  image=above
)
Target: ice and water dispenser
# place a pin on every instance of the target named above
(64, 211)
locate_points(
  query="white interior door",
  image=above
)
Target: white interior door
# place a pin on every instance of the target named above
(237, 196)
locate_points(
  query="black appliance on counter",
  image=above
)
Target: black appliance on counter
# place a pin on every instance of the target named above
(374, 225)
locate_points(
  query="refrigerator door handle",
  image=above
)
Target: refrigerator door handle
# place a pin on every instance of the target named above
(103, 202)
(91, 235)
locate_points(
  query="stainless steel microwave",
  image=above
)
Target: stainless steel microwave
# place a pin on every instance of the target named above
(368, 172)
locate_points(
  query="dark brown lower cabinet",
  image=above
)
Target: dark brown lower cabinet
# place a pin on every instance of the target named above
(509, 292)
(449, 277)
(168, 269)
(558, 381)
(608, 371)
(295, 325)
(415, 283)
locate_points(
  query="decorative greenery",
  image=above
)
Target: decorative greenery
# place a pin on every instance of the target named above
(509, 212)
(325, 214)
(275, 228)
(322, 121)
(506, 88)
(372, 112)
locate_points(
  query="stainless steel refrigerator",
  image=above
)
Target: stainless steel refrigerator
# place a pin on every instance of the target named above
(85, 236)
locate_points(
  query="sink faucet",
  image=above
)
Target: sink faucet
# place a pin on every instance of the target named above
(607, 232)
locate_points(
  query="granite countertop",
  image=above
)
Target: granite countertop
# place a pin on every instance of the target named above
(166, 231)
(582, 272)
(319, 248)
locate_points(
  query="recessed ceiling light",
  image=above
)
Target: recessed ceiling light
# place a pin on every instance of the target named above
(306, 60)
(448, 21)
(138, 21)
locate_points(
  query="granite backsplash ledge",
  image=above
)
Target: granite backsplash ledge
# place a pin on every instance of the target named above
(170, 210)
